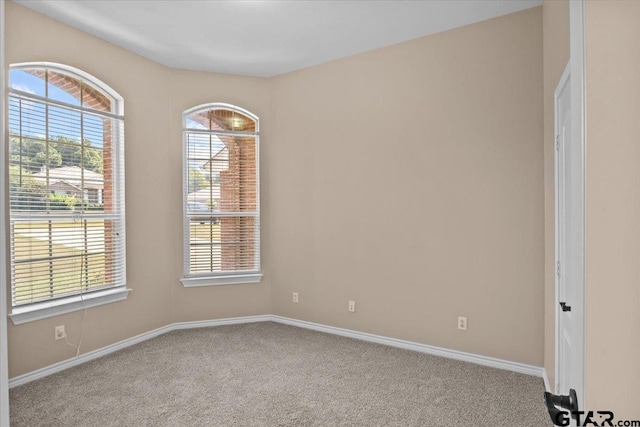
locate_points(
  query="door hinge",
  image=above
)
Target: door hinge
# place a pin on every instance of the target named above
(557, 142)
(558, 268)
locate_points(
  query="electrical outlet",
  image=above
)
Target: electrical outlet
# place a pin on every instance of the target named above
(352, 306)
(462, 323)
(295, 297)
(59, 333)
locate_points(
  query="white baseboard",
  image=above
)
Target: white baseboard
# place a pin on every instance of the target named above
(70, 363)
(422, 348)
(545, 378)
(393, 342)
(221, 322)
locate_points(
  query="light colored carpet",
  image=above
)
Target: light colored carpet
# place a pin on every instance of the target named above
(269, 374)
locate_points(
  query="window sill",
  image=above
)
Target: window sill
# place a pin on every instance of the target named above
(236, 279)
(46, 309)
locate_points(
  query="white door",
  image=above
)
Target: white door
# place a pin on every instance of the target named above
(569, 191)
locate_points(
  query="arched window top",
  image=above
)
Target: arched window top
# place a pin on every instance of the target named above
(220, 117)
(65, 84)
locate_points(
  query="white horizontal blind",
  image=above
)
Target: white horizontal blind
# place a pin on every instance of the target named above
(221, 201)
(66, 187)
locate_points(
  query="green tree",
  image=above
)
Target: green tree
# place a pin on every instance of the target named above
(26, 192)
(197, 180)
(62, 202)
(32, 154)
(72, 154)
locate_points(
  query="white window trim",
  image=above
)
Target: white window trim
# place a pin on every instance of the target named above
(4, 354)
(43, 310)
(56, 307)
(195, 281)
(223, 277)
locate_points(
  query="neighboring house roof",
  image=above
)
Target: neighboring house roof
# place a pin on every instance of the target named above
(72, 175)
(204, 195)
(64, 186)
(219, 162)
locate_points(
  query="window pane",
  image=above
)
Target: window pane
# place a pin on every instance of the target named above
(64, 124)
(231, 120)
(93, 184)
(35, 184)
(27, 193)
(28, 118)
(238, 189)
(219, 244)
(222, 172)
(56, 258)
(64, 88)
(220, 119)
(95, 99)
(28, 80)
(198, 120)
(94, 130)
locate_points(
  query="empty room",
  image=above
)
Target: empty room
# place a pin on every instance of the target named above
(320, 213)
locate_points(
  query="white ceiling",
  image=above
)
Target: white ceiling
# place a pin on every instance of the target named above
(265, 37)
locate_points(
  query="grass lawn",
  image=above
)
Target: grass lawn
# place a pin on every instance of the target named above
(44, 225)
(205, 231)
(70, 271)
(207, 242)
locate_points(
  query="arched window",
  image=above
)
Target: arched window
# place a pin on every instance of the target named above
(66, 176)
(221, 196)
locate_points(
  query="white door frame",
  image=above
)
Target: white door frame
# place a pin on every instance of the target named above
(557, 220)
(575, 69)
(576, 54)
(4, 362)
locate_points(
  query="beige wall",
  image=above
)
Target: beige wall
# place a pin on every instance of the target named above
(613, 207)
(189, 89)
(555, 29)
(154, 98)
(410, 179)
